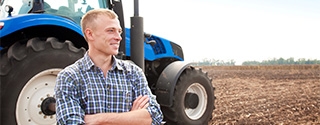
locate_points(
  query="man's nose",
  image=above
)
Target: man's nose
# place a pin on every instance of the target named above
(118, 36)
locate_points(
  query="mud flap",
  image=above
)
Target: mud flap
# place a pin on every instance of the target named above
(167, 82)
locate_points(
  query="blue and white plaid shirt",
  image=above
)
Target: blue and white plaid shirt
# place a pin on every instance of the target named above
(82, 89)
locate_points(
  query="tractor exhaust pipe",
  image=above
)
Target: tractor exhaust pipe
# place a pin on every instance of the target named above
(137, 37)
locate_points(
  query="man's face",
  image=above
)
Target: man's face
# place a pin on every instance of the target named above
(107, 35)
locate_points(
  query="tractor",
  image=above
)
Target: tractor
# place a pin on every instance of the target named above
(38, 38)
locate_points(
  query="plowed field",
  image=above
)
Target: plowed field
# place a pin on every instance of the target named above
(288, 95)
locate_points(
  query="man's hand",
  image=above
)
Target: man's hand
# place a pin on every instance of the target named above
(142, 102)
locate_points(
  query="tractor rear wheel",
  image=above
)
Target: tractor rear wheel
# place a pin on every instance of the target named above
(28, 74)
(193, 101)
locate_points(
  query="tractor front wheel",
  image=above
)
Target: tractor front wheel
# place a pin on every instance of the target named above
(193, 100)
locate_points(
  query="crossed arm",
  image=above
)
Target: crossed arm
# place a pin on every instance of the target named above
(138, 115)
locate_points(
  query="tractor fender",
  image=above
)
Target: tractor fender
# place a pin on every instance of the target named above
(167, 82)
(19, 22)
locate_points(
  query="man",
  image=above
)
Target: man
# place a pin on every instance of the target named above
(100, 89)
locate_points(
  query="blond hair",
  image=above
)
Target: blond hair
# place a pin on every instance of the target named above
(88, 20)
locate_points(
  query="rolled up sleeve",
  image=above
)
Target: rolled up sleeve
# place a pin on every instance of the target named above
(154, 107)
(68, 109)
(155, 112)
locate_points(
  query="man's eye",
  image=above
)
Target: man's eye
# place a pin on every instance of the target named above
(111, 30)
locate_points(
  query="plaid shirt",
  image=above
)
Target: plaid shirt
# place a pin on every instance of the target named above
(82, 89)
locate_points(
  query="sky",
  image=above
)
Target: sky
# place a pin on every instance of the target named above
(239, 30)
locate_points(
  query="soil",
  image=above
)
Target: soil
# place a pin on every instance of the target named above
(281, 95)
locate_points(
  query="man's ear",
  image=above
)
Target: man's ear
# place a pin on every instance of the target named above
(88, 34)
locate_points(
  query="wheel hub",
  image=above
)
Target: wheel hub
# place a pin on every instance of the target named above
(48, 106)
(191, 100)
(195, 101)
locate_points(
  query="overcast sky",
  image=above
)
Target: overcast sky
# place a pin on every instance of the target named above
(242, 30)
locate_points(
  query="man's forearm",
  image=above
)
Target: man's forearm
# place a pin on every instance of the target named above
(137, 117)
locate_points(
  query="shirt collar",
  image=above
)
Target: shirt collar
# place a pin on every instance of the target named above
(116, 64)
(88, 63)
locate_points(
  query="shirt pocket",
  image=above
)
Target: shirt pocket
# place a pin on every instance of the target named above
(127, 94)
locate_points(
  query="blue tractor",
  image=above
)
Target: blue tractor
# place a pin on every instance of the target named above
(38, 38)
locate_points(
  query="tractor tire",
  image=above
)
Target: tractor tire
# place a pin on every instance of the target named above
(28, 75)
(193, 99)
